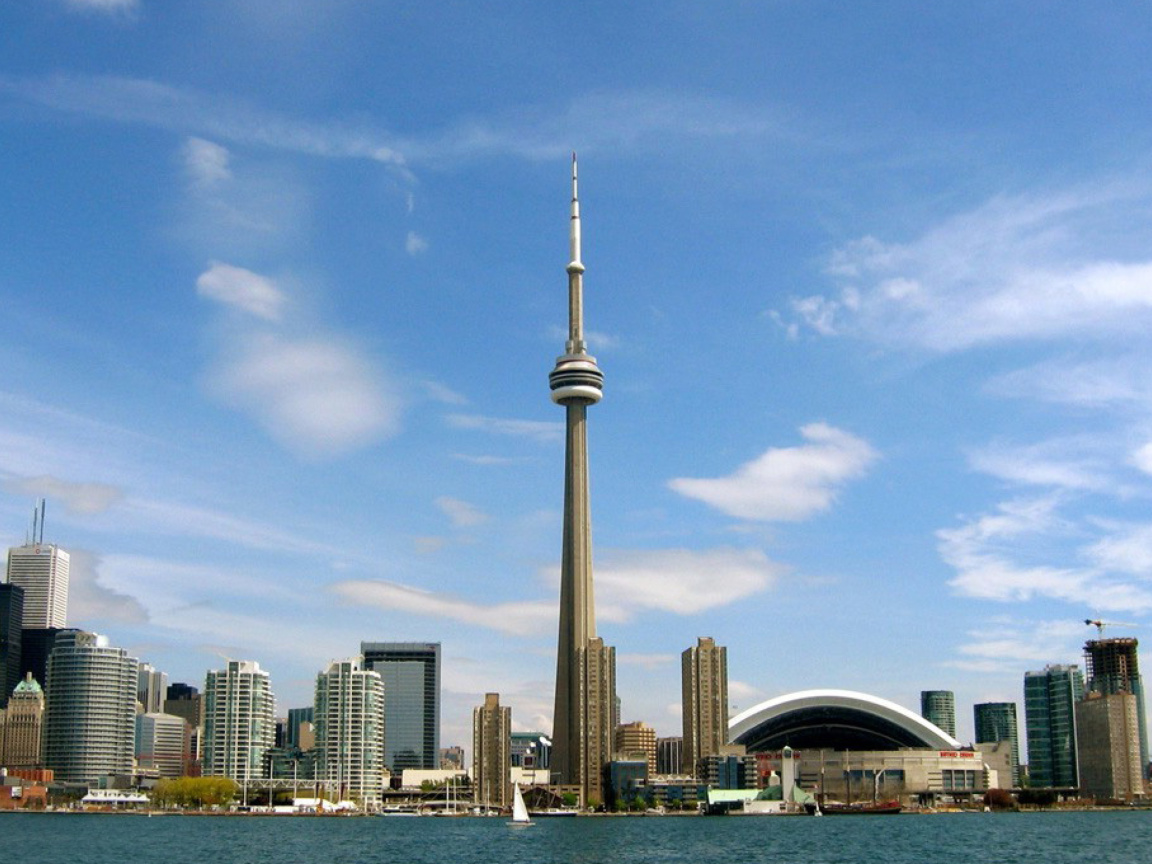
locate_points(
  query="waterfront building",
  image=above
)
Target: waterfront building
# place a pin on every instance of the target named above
(732, 768)
(90, 709)
(637, 740)
(42, 571)
(1113, 666)
(350, 724)
(939, 708)
(162, 744)
(151, 689)
(238, 721)
(11, 633)
(584, 716)
(704, 689)
(996, 721)
(1108, 744)
(669, 755)
(411, 674)
(185, 701)
(22, 727)
(492, 752)
(1050, 699)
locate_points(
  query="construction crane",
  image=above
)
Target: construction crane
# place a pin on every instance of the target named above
(1100, 625)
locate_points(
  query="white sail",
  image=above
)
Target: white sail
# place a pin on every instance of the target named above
(519, 810)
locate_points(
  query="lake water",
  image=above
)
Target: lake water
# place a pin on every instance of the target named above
(1123, 837)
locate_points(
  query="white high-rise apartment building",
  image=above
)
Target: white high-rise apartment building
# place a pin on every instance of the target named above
(41, 569)
(349, 720)
(90, 710)
(239, 721)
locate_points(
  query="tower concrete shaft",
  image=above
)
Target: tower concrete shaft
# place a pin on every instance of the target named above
(576, 382)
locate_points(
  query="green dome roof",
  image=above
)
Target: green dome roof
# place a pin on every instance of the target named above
(28, 685)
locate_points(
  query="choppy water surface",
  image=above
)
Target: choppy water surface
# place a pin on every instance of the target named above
(1052, 838)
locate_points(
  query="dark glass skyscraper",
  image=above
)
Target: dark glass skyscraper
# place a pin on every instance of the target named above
(411, 673)
(996, 721)
(938, 707)
(1050, 699)
(11, 633)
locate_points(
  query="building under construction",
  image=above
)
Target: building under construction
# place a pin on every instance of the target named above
(1113, 667)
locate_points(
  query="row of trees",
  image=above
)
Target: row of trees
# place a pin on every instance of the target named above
(199, 792)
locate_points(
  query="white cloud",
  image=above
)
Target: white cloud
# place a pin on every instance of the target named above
(461, 513)
(1057, 463)
(206, 162)
(543, 432)
(984, 551)
(524, 618)
(1094, 385)
(316, 396)
(90, 602)
(680, 581)
(441, 393)
(79, 498)
(1023, 268)
(1126, 549)
(787, 483)
(414, 244)
(1142, 458)
(1004, 644)
(104, 5)
(241, 289)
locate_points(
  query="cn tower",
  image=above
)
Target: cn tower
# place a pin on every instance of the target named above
(585, 709)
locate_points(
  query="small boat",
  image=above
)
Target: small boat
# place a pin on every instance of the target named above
(519, 810)
(880, 808)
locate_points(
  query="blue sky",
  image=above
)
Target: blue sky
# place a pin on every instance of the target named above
(281, 285)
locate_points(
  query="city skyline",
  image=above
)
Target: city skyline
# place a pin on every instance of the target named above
(280, 294)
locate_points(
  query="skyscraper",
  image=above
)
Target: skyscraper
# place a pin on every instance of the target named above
(21, 731)
(162, 744)
(938, 707)
(42, 571)
(90, 709)
(704, 690)
(1050, 699)
(1108, 742)
(11, 634)
(637, 738)
(151, 689)
(411, 673)
(239, 724)
(349, 718)
(1114, 667)
(584, 715)
(996, 721)
(492, 752)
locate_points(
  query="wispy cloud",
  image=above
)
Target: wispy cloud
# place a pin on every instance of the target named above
(107, 6)
(91, 602)
(540, 431)
(680, 581)
(985, 553)
(461, 513)
(79, 498)
(787, 483)
(206, 162)
(1033, 267)
(241, 289)
(523, 618)
(414, 244)
(317, 395)
(1004, 643)
(1062, 463)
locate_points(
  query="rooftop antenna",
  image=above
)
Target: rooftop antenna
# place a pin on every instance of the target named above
(42, 500)
(35, 517)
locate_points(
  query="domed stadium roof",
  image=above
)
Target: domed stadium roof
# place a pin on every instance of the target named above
(834, 720)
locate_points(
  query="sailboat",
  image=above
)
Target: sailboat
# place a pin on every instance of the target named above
(519, 810)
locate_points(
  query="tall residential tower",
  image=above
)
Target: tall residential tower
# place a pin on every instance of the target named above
(704, 689)
(411, 674)
(584, 717)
